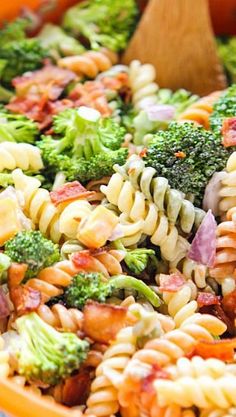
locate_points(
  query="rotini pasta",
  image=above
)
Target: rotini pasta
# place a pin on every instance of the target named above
(20, 155)
(58, 316)
(225, 261)
(103, 400)
(152, 205)
(88, 64)
(231, 412)
(202, 391)
(53, 222)
(143, 86)
(165, 350)
(227, 192)
(200, 111)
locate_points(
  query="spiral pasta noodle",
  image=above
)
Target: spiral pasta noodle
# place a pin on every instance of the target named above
(227, 193)
(163, 351)
(231, 412)
(62, 318)
(202, 391)
(53, 222)
(88, 64)
(51, 280)
(152, 206)
(193, 271)
(143, 86)
(103, 400)
(225, 260)
(20, 155)
(200, 111)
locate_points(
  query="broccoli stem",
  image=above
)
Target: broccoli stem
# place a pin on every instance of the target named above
(126, 281)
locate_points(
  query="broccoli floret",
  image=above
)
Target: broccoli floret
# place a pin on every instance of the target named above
(53, 38)
(5, 94)
(224, 107)
(5, 262)
(102, 22)
(17, 128)
(17, 53)
(227, 52)
(88, 148)
(87, 286)
(13, 31)
(19, 57)
(43, 354)
(32, 248)
(187, 156)
(137, 259)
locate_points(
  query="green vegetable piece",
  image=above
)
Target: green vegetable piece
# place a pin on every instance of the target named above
(32, 248)
(44, 354)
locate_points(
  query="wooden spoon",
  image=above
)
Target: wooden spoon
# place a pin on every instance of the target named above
(176, 36)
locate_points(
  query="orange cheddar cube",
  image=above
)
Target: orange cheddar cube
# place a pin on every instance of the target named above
(9, 223)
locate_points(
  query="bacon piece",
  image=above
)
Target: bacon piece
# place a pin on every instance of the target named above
(76, 389)
(4, 307)
(48, 82)
(25, 299)
(220, 349)
(203, 247)
(217, 311)
(207, 299)
(229, 304)
(229, 132)
(16, 274)
(172, 282)
(39, 110)
(103, 321)
(69, 192)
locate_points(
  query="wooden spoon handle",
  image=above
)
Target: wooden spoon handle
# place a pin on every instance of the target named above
(177, 38)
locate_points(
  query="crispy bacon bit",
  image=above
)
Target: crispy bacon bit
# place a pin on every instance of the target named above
(103, 321)
(172, 282)
(4, 307)
(16, 274)
(229, 132)
(76, 389)
(40, 111)
(84, 261)
(220, 349)
(229, 304)
(25, 299)
(207, 299)
(69, 192)
(143, 153)
(180, 154)
(91, 94)
(217, 311)
(48, 82)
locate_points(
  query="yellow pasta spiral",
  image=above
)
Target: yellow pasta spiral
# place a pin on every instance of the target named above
(216, 412)
(20, 155)
(90, 63)
(53, 222)
(203, 391)
(62, 318)
(143, 86)
(227, 192)
(200, 111)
